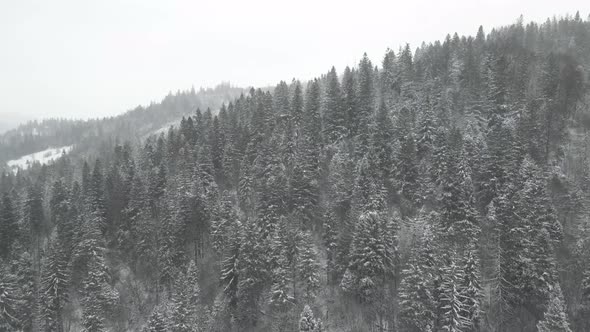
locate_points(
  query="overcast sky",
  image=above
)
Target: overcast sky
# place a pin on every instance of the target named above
(76, 58)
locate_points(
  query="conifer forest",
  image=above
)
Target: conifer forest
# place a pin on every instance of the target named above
(444, 187)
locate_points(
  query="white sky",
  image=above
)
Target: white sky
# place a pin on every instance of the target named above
(82, 58)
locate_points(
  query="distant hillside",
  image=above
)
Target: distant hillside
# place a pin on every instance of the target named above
(11, 120)
(88, 135)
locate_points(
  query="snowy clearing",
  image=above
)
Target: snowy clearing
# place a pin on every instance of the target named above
(42, 157)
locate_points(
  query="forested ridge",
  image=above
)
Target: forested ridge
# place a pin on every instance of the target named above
(93, 136)
(445, 189)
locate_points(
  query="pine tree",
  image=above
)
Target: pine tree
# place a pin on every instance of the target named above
(555, 318)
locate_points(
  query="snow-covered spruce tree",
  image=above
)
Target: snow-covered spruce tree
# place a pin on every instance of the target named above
(366, 104)
(416, 299)
(369, 193)
(229, 278)
(426, 133)
(452, 300)
(458, 215)
(252, 269)
(530, 231)
(184, 307)
(284, 248)
(223, 216)
(372, 256)
(555, 318)
(342, 181)
(307, 322)
(333, 115)
(586, 287)
(24, 277)
(8, 226)
(471, 290)
(388, 79)
(271, 187)
(8, 301)
(407, 170)
(55, 282)
(99, 296)
(330, 240)
(308, 267)
(350, 101)
(157, 322)
(382, 144)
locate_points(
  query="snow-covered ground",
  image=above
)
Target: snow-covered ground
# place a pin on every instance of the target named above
(42, 157)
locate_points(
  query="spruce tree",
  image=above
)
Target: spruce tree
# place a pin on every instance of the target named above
(9, 317)
(307, 322)
(307, 267)
(157, 322)
(334, 116)
(185, 301)
(366, 103)
(417, 302)
(452, 300)
(372, 256)
(230, 274)
(8, 226)
(55, 281)
(472, 293)
(382, 144)
(252, 267)
(555, 318)
(350, 102)
(282, 292)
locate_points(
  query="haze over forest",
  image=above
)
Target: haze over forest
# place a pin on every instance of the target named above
(72, 59)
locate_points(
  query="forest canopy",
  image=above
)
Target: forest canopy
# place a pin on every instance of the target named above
(441, 189)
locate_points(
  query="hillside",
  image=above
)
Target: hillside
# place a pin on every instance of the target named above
(445, 189)
(89, 135)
